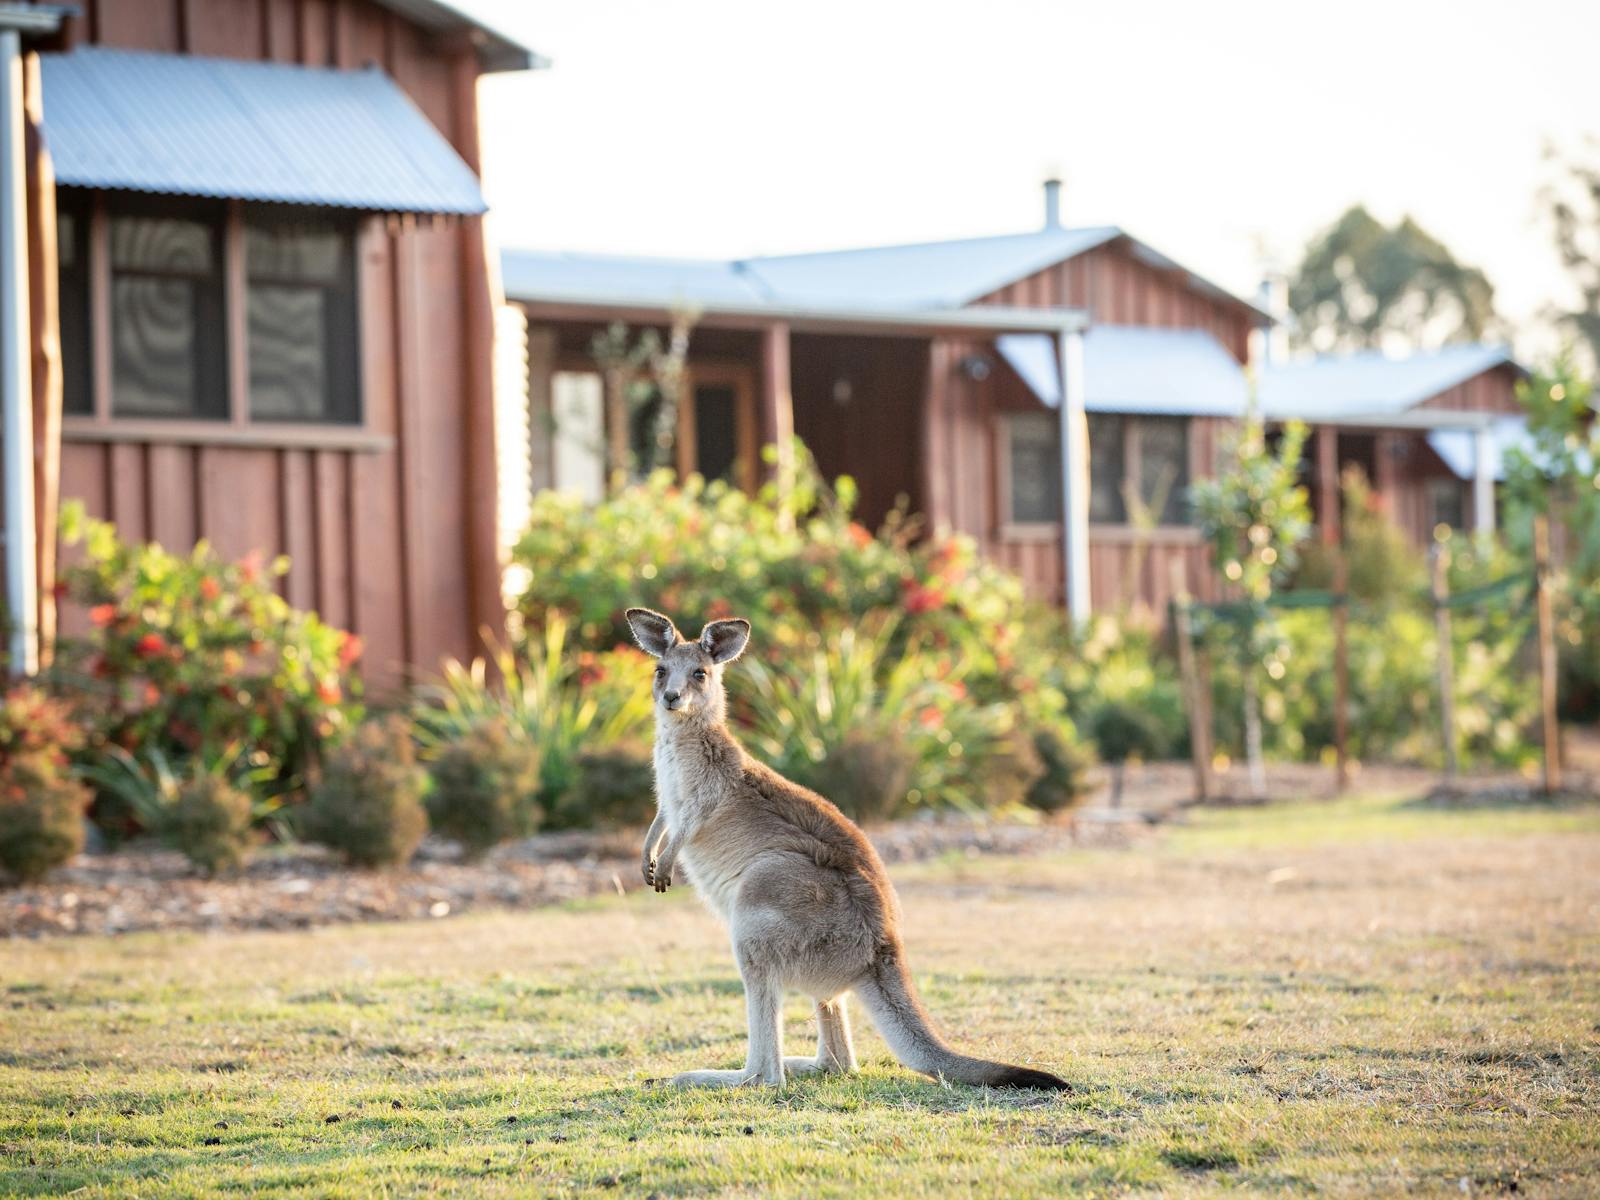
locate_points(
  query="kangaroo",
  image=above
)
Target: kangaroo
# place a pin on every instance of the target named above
(805, 897)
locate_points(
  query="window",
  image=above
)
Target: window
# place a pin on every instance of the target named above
(1162, 480)
(300, 297)
(72, 282)
(210, 311)
(1035, 469)
(1108, 469)
(1445, 503)
(1145, 456)
(168, 344)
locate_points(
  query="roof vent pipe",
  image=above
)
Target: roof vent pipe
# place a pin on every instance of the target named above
(1052, 204)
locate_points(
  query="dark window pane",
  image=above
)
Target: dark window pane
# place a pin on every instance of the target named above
(715, 444)
(1107, 467)
(288, 352)
(1446, 503)
(301, 306)
(1164, 467)
(650, 442)
(1035, 469)
(168, 347)
(72, 234)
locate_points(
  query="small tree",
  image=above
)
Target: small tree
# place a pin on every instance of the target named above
(636, 373)
(1255, 514)
(1559, 476)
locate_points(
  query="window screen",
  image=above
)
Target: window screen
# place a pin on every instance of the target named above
(1164, 467)
(301, 302)
(1035, 469)
(167, 329)
(1107, 468)
(72, 255)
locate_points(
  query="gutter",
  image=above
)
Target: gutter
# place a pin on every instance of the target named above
(983, 319)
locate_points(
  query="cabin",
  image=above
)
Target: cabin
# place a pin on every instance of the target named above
(249, 300)
(1050, 393)
(1429, 431)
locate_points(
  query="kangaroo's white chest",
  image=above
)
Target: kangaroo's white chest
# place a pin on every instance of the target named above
(686, 793)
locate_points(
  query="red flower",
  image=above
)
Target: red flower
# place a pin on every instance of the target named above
(921, 599)
(958, 690)
(152, 694)
(103, 614)
(930, 717)
(328, 691)
(859, 534)
(250, 566)
(150, 645)
(350, 648)
(210, 589)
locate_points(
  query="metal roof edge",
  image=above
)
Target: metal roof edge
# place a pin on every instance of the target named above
(35, 18)
(987, 317)
(497, 50)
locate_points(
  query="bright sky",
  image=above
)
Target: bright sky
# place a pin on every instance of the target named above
(1222, 133)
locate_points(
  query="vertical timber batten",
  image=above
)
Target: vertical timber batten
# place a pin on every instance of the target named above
(1074, 475)
(45, 348)
(777, 403)
(1483, 520)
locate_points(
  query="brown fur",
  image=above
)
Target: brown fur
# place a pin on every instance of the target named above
(808, 902)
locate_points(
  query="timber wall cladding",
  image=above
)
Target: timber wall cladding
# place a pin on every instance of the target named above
(376, 537)
(1118, 289)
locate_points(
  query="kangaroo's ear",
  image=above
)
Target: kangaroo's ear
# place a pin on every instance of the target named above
(655, 633)
(725, 640)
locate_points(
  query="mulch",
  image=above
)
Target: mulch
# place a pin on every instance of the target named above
(144, 887)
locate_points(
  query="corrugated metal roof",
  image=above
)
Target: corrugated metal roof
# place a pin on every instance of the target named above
(1457, 446)
(647, 282)
(181, 125)
(925, 275)
(1369, 383)
(928, 274)
(1132, 369)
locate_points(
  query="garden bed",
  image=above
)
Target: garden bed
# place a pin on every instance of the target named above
(300, 887)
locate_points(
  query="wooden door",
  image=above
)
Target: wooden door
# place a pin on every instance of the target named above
(717, 427)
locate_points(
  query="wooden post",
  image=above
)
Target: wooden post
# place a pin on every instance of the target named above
(1341, 669)
(1199, 710)
(1328, 514)
(1547, 656)
(777, 404)
(1447, 687)
(44, 315)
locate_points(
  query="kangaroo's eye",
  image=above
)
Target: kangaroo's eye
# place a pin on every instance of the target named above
(700, 674)
(661, 672)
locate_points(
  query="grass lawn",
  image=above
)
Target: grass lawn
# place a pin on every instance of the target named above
(1359, 998)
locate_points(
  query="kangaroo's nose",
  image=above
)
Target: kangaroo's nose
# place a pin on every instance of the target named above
(670, 697)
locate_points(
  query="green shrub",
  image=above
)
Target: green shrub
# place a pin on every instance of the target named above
(188, 653)
(204, 807)
(801, 711)
(794, 568)
(867, 774)
(613, 788)
(1064, 776)
(42, 810)
(485, 787)
(368, 804)
(209, 822)
(565, 704)
(1382, 565)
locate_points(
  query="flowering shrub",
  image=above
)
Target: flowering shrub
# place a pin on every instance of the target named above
(190, 652)
(42, 804)
(702, 551)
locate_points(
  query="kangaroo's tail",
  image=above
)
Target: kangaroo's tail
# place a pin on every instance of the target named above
(890, 998)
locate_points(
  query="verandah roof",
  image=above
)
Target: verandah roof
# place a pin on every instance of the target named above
(180, 125)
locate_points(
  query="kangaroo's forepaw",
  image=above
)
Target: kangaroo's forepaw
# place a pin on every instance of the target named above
(649, 871)
(661, 880)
